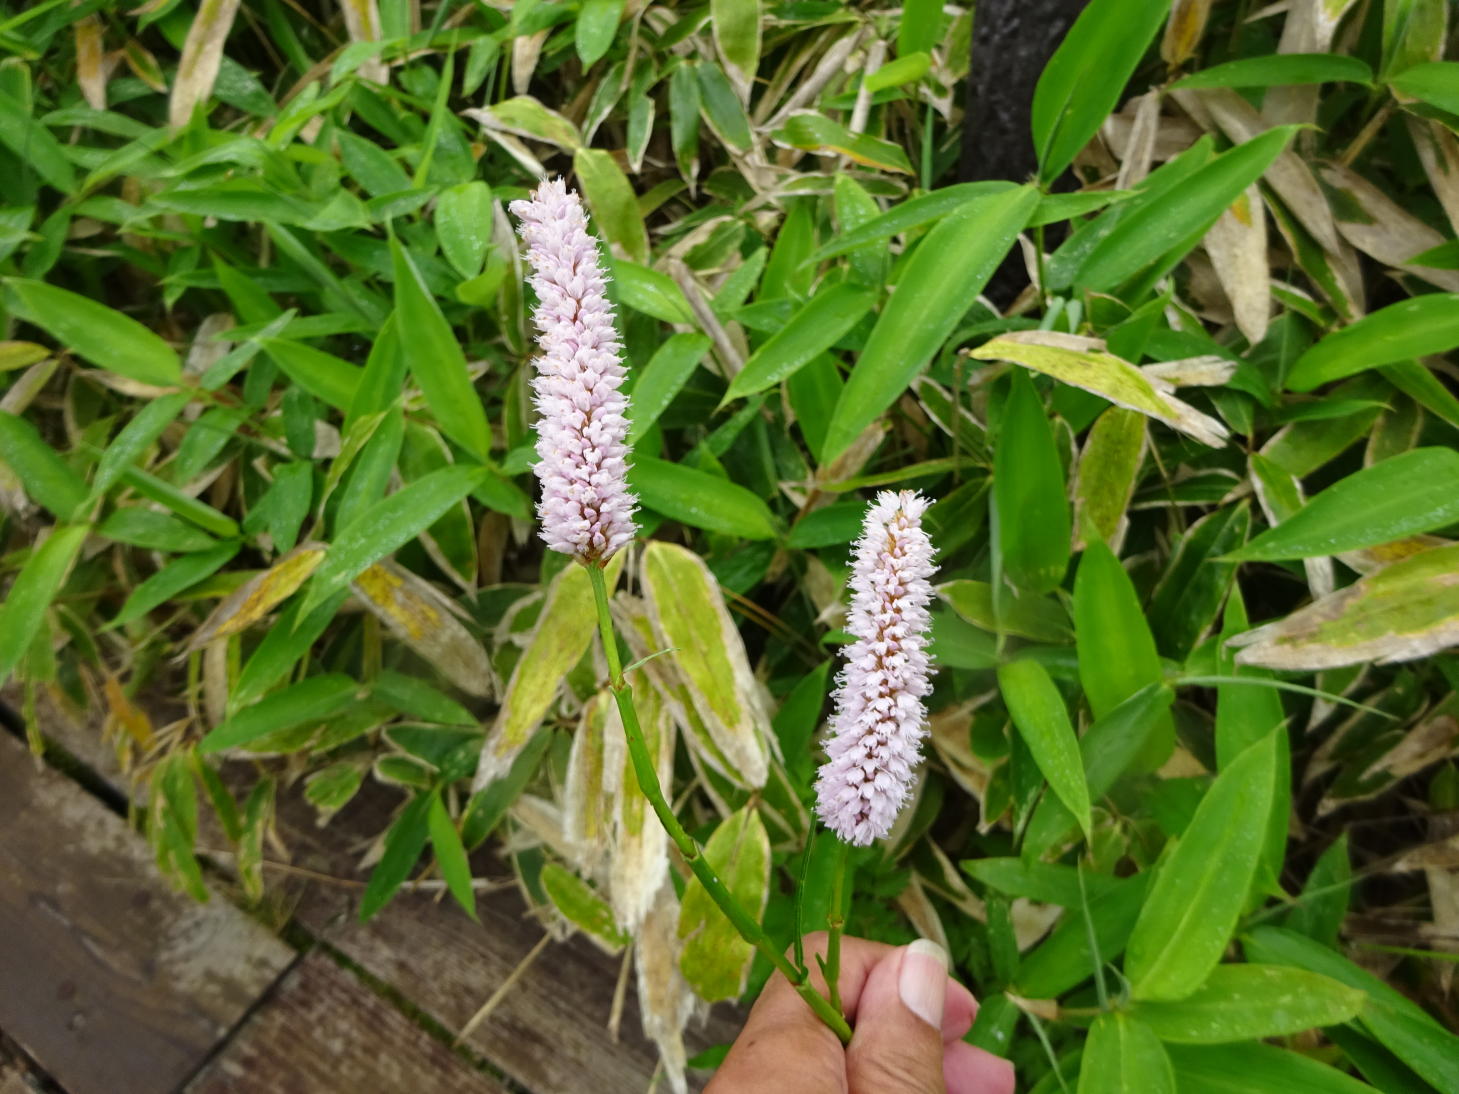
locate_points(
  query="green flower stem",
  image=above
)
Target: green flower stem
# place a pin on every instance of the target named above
(835, 924)
(693, 854)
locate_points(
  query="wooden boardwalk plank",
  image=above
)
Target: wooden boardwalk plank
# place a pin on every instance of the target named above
(113, 981)
(322, 1031)
(550, 1030)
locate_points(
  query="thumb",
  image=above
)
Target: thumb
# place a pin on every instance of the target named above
(897, 1047)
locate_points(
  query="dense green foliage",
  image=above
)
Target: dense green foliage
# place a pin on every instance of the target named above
(265, 442)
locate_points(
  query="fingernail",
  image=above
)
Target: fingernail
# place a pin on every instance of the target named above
(922, 983)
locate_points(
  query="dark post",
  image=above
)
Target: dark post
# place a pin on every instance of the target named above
(1012, 41)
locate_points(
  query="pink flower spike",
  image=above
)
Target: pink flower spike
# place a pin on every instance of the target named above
(582, 449)
(880, 720)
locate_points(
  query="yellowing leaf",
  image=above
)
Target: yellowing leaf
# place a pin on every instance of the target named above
(526, 117)
(640, 863)
(423, 618)
(588, 794)
(582, 907)
(689, 616)
(257, 596)
(564, 629)
(1404, 611)
(1109, 466)
(664, 1000)
(715, 959)
(1085, 363)
(202, 55)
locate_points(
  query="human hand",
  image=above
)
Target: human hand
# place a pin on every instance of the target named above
(907, 1016)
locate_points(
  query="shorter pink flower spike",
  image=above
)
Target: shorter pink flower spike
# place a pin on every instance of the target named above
(880, 720)
(582, 447)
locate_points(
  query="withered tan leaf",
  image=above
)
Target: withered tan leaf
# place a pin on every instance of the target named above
(664, 999)
(1385, 230)
(640, 862)
(424, 618)
(1438, 150)
(1404, 611)
(362, 23)
(202, 56)
(1237, 245)
(90, 64)
(589, 791)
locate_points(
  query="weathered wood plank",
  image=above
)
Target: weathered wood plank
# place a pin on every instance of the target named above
(322, 1031)
(549, 1031)
(112, 981)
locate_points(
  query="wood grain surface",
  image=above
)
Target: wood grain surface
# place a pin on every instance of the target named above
(322, 1031)
(113, 981)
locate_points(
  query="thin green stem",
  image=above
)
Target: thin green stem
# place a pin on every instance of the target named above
(693, 854)
(835, 924)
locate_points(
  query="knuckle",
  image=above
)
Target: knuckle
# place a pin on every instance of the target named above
(895, 1068)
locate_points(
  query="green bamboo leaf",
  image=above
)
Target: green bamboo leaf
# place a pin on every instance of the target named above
(596, 27)
(818, 133)
(1069, 955)
(1420, 327)
(175, 578)
(1280, 70)
(1168, 227)
(1042, 620)
(1189, 594)
(906, 69)
(404, 842)
(1414, 492)
(134, 439)
(450, 854)
(1402, 1026)
(905, 216)
(1109, 467)
(1116, 649)
(1039, 714)
(1250, 1002)
(721, 107)
(463, 222)
(714, 959)
(40, 579)
(141, 527)
(1238, 1069)
(34, 145)
(1201, 887)
(1432, 82)
(1322, 906)
(812, 330)
(315, 699)
(665, 375)
(611, 198)
(436, 361)
(1028, 493)
(700, 499)
(941, 281)
(187, 507)
(323, 375)
(1087, 74)
(45, 476)
(736, 25)
(106, 338)
(1123, 1055)
(644, 289)
(1107, 750)
(388, 525)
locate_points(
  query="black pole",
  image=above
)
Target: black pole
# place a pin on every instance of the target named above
(1012, 41)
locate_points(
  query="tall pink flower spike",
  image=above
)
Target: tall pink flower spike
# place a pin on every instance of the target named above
(582, 451)
(880, 720)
